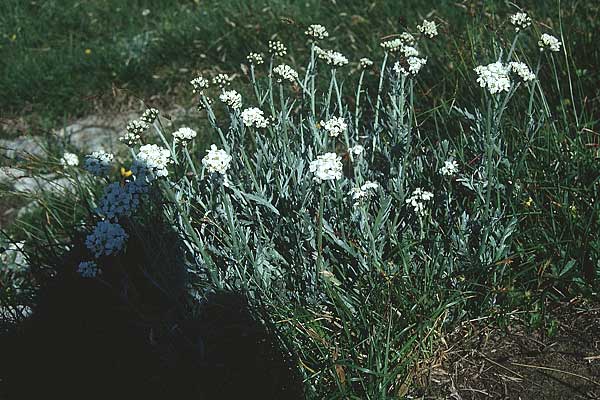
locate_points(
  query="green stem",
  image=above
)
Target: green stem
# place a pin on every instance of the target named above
(357, 105)
(320, 231)
(379, 88)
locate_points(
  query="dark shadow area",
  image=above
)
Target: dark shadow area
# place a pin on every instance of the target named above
(125, 336)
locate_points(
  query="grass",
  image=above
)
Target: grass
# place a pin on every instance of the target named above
(51, 49)
(547, 178)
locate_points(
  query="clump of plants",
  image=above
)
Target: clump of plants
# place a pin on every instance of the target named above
(362, 229)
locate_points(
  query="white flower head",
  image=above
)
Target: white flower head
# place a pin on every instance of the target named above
(254, 117)
(520, 21)
(285, 72)
(222, 80)
(318, 32)
(493, 77)
(88, 269)
(199, 84)
(69, 159)
(409, 51)
(277, 48)
(392, 45)
(356, 150)
(119, 200)
(331, 57)
(149, 116)
(151, 162)
(428, 28)
(363, 192)
(232, 98)
(414, 65)
(106, 239)
(98, 163)
(204, 103)
(450, 168)
(255, 58)
(334, 126)
(129, 139)
(365, 63)
(417, 200)
(326, 167)
(216, 160)
(407, 39)
(549, 42)
(135, 129)
(184, 135)
(522, 70)
(336, 59)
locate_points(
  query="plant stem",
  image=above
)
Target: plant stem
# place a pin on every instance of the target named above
(320, 231)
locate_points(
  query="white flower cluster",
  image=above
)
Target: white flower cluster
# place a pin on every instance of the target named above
(392, 45)
(149, 116)
(407, 39)
(222, 80)
(107, 238)
(134, 132)
(417, 200)
(285, 72)
(334, 126)
(356, 150)
(217, 160)
(98, 163)
(326, 167)
(450, 168)
(493, 77)
(69, 159)
(184, 135)
(199, 84)
(151, 162)
(255, 58)
(204, 102)
(362, 192)
(254, 117)
(399, 43)
(520, 21)
(318, 32)
(129, 139)
(232, 98)
(549, 42)
(365, 63)
(331, 57)
(277, 48)
(522, 70)
(88, 269)
(409, 51)
(119, 201)
(414, 65)
(428, 28)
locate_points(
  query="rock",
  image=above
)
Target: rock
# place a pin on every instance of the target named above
(22, 148)
(9, 174)
(95, 133)
(47, 182)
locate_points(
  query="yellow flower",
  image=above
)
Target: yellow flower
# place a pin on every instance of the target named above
(529, 202)
(125, 173)
(88, 52)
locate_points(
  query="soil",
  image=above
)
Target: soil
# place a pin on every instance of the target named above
(487, 362)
